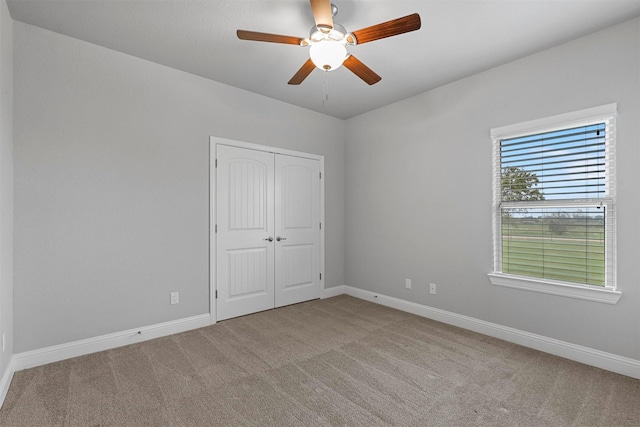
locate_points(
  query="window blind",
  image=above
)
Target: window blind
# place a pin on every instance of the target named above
(556, 244)
(554, 204)
(568, 163)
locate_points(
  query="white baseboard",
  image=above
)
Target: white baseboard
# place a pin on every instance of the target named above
(5, 381)
(30, 359)
(589, 356)
(332, 292)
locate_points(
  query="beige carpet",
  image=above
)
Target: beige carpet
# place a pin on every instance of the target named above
(340, 361)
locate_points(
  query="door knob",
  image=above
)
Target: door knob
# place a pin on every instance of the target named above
(269, 239)
(280, 238)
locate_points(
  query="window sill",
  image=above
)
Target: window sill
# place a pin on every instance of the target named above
(589, 293)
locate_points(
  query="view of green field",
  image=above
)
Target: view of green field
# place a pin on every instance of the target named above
(573, 251)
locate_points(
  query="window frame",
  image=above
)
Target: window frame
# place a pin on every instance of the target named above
(605, 294)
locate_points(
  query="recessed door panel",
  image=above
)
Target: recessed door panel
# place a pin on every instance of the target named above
(247, 272)
(297, 200)
(297, 264)
(247, 203)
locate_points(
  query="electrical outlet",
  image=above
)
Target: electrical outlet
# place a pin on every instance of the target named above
(407, 283)
(432, 288)
(175, 297)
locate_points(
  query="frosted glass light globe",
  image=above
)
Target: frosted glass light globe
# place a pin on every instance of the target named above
(328, 54)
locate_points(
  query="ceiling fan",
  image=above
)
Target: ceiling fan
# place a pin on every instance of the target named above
(328, 41)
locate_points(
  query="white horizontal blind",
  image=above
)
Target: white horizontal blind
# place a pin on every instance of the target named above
(568, 163)
(553, 193)
(566, 244)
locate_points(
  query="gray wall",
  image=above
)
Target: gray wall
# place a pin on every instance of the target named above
(6, 186)
(112, 185)
(419, 189)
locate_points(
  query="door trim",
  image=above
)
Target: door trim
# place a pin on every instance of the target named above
(213, 143)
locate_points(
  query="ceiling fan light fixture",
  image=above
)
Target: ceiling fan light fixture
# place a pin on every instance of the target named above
(328, 41)
(327, 54)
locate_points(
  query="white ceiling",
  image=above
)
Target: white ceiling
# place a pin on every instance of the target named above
(458, 38)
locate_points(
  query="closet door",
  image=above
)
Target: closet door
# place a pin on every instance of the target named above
(297, 229)
(245, 221)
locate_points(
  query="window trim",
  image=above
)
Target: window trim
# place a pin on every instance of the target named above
(608, 294)
(545, 286)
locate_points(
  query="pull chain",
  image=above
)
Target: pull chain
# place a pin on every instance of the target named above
(325, 88)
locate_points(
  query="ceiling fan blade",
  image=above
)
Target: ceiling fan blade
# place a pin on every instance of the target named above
(387, 29)
(302, 73)
(361, 70)
(322, 14)
(265, 37)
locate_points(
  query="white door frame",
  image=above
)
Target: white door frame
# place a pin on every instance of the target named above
(213, 142)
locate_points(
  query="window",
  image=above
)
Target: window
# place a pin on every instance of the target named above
(554, 205)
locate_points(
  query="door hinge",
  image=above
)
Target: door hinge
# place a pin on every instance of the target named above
(320, 175)
(216, 294)
(320, 276)
(216, 229)
(216, 162)
(320, 226)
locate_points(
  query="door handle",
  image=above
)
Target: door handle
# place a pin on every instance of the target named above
(280, 238)
(270, 239)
